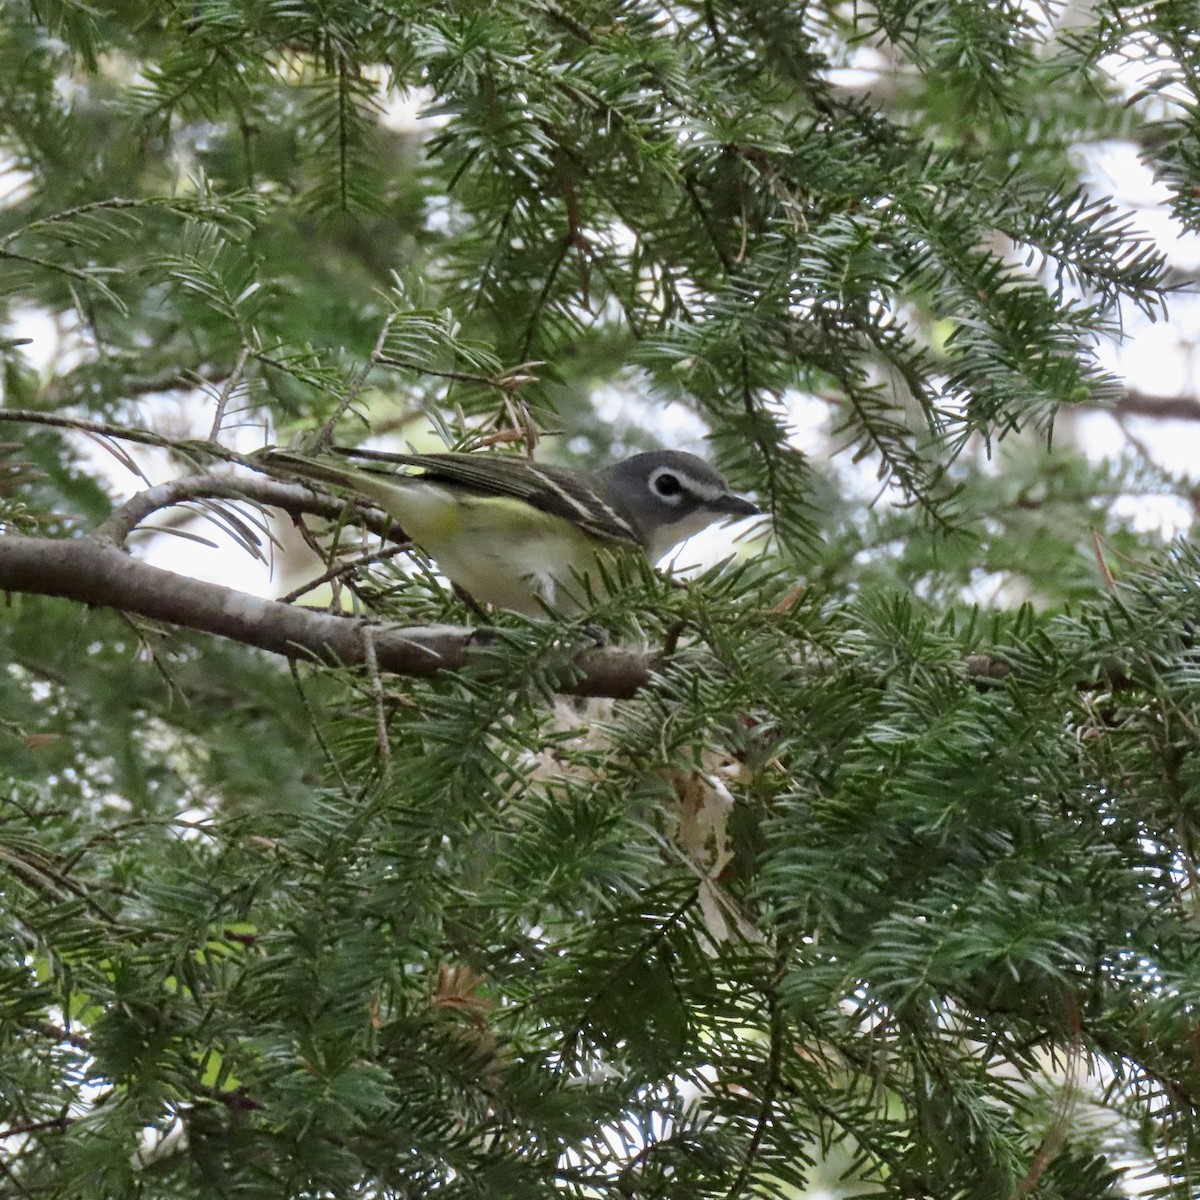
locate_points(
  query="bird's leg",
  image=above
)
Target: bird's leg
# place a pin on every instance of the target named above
(546, 591)
(472, 604)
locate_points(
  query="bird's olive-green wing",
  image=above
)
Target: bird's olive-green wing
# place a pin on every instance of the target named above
(562, 493)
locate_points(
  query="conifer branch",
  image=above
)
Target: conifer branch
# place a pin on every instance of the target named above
(92, 572)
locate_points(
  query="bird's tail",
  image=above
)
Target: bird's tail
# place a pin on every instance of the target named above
(379, 486)
(322, 470)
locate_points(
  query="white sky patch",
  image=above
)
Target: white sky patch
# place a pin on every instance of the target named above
(58, 342)
(625, 406)
(708, 547)
(1117, 168)
(16, 184)
(808, 420)
(1139, 67)
(1176, 444)
(408, 110)
(1158, 358)
(1168, 516)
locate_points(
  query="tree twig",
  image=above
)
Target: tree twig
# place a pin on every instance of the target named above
(377, 695)
(293, 498)
(143, 437)
(227, 389)
(326, 432)
(315, 726)
(343, 569)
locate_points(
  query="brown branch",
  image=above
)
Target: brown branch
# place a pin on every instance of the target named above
(58, 1034)
(58, 1123)
(1130, 403)
(93, 572)
(1143, 404)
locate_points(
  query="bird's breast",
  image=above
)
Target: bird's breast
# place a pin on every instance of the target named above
(507, 553)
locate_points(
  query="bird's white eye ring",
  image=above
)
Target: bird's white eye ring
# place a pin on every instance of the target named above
(666, 484)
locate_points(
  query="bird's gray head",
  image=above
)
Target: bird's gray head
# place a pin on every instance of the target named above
(667, 495)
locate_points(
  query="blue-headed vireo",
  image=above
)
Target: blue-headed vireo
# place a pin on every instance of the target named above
(519, 535)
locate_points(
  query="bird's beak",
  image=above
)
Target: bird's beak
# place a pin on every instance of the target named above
(735, 506)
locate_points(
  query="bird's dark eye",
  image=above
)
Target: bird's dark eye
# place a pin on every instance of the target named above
(667, 485)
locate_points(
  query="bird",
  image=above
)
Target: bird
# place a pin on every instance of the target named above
(517, 534)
